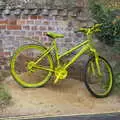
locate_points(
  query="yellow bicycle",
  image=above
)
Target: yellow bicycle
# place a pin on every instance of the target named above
(33, 65)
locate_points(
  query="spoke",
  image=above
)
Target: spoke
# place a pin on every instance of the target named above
(44, 54)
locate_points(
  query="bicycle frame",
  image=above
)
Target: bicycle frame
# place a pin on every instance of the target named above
(32, 65)
(87, 46)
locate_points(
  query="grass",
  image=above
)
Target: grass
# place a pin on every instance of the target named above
(4, 74)
(116, 72)
(5, 96)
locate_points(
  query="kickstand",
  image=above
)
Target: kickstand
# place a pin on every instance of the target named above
(56, 80)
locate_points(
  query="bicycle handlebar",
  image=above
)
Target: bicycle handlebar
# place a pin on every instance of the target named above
(94, 28)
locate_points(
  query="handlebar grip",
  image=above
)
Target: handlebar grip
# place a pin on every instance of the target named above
(97, 25)
(83, 30)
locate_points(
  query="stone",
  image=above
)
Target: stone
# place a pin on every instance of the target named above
(65, 18)
(81, 3)
(83, 15)
(71, 13)
(34, 12)
(26, 12)
(8, 7)
(45, 12)
(82, 18)
(58, 4)
(2, 5)
(53, 12)
(30, 5)
(63, 12)
(17, 12)
(6, 12)
(59, 17)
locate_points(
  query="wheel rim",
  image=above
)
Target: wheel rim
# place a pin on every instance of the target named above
(99, 85)
(22, 57)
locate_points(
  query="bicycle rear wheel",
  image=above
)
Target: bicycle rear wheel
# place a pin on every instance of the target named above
(99, 86)
(21, 63)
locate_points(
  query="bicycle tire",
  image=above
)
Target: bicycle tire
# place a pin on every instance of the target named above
(14, 65)
(110, 75)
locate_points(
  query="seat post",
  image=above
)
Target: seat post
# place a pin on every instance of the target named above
(56, 51)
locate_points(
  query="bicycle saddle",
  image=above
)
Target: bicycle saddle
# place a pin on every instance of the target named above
(54, 35)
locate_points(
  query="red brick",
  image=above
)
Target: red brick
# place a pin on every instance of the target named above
(36, 38)
(31, 33)
(20, 32)
(33, 17)
(33, 27)
(14, 27)
(40, 17)
(46, 22)
(21, 22)
(3, 22)
(26, 27)
(12, 22)
(38, 33)
(2, 26)
(50, 28)
(43, 28)
(37, 22)
(30, 21)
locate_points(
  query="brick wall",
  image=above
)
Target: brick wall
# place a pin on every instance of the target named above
(19, 22)
(15, 32)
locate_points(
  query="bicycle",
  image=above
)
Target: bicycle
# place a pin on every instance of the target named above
(33, 65)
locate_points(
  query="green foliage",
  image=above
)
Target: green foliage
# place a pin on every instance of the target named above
(4, 74)
(117, 77)
(5, 96)
(110, 30)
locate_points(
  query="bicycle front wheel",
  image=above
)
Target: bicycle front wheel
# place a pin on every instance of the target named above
(22, 70)
(99, 85)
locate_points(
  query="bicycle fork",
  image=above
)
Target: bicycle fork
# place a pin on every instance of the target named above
(96, 61)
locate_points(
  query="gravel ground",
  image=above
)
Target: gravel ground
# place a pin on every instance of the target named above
(70, 97)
